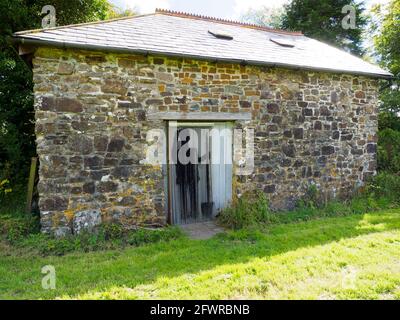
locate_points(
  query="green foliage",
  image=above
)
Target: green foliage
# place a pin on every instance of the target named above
(109, 236)
(112, 231)
(4, 187)
(322, 20)
(387, 46)
(390, 98)
(388, 120)
(310, 199)
(389, 150)
(18, 226)
(269, 17)
(385, 185)
(302, 260)
(144, 236)
(251, 209)
(387, 41)
(381, 192)
(17, 139)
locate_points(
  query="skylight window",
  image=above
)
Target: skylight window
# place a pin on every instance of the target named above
(220, 34)
(283, 42)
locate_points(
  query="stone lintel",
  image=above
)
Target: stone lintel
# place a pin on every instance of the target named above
(199, 116)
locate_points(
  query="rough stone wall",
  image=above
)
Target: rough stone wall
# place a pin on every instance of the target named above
(91, 126)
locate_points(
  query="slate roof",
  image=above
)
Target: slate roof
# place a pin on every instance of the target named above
(180, 34)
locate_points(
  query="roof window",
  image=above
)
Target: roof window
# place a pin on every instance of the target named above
(220, 34)
(283, 42)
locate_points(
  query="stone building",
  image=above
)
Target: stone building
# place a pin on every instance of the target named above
(100, 88)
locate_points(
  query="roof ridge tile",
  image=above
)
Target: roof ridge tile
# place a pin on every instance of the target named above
(226, 21)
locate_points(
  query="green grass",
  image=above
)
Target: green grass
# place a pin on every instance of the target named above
(349, 257)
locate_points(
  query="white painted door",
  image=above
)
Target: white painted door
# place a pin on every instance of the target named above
(221, 165)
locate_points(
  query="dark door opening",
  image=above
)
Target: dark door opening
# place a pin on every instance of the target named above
(196, 191)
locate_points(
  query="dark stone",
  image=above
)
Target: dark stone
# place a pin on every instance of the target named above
(298, 133)
(334, 97)
(112, 162)
(287, 133)
(307, 112)
(48, 103)
(80, 125)
(55, 203)
(98, 174)
(107, 186)
(116, 145)
(94, 162)
(286, 162)
(335, 135)
(272, 108)
(306, 172)
(114, 86)
(266, 95)
(357, 152)
(272, 128)
(81, 144)
(124, 104)
(346, 137)
(302, 104)
(154, 102)
(76, 190)
(328, 150)
(212, 102)
(95, 59)
(245, 104)
(89, 188)
(270, 188)
(371, 148)
(289, 150)
(68, 105)
(100, 143)
(122, 172)
(318, 125)
(158, 61)
(324, 111)
(297, 164)
(322, 161)
(141, 115)
(127, 201)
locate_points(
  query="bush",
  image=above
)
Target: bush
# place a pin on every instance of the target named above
(389, 150)
(384, 185)
(16, 227)
(250, 209)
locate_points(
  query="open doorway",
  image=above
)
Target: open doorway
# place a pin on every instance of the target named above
(200, 170)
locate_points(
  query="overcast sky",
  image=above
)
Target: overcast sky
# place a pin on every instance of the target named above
(228, 9)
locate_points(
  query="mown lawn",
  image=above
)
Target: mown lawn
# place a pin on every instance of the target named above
(352, 257)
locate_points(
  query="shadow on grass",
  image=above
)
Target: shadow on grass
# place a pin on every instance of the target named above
(100, 271)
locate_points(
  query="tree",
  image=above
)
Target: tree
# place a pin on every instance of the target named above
(322, 20)
(269, 17)
(17, 139)
(387, 47)
(387, 42)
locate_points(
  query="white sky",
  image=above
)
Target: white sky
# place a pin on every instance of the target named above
(229, 9)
